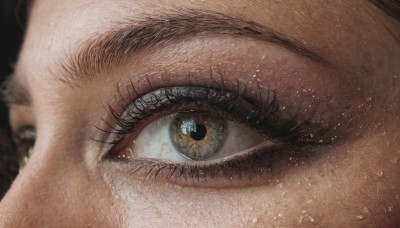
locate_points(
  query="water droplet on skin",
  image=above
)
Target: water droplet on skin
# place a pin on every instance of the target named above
(365, 210)
(321, 141)
(305, 217)
(254, 220)
(290, 158)
(280, 215)
(379, 173)
(369, 99)
(360, 217)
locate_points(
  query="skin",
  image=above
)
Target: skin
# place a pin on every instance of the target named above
(353, 182)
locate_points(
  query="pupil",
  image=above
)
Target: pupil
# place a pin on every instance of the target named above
(200, 133)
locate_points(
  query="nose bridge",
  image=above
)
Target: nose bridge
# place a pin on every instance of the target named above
(53, 190)
(27, 198)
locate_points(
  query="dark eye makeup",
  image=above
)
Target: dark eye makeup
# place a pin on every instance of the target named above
(288, 133)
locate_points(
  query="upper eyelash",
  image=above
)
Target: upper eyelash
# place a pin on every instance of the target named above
(299, 143)
(297, 132)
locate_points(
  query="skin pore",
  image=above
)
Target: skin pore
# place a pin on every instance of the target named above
(333, 67)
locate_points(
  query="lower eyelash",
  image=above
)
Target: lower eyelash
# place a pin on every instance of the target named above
(259, 167)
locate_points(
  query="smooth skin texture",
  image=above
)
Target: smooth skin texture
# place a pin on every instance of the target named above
(353, 182)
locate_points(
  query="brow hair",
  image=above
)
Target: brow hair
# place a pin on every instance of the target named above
(102, 52)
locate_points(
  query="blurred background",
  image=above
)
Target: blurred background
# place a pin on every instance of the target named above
(12, 23)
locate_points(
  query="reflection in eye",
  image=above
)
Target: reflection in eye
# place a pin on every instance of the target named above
(194, 135)
(198, 135)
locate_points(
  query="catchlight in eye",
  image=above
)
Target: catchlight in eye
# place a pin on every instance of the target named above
(198, 135)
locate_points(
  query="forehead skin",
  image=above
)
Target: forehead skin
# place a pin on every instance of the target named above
(354, 36)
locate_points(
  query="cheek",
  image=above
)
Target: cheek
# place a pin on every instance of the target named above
(51, 191)
(354, 185)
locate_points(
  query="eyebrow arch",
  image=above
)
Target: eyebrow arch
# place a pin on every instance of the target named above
(111, 48)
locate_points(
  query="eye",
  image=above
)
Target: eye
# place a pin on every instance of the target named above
(206, 137)
(192, 135)
(24, 142)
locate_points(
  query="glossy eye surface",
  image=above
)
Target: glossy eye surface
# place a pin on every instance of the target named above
(193, 135)
(198, 136)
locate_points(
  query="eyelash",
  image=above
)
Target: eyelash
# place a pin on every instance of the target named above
(294, 138)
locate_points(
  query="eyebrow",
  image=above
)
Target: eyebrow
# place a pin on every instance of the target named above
(116, 46)
(12, 92)
(112, 48)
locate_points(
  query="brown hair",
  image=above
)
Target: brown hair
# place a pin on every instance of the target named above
(391, 7)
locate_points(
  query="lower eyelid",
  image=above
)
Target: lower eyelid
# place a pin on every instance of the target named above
(256, 166)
